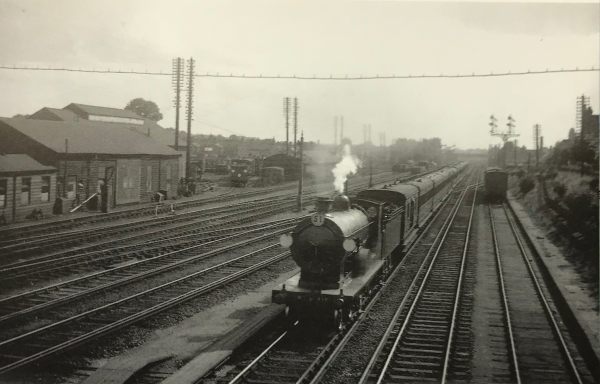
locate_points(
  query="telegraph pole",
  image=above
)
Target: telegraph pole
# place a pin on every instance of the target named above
(190, 98)
(335, 124)
(582, 103)
(536, 138)
(341, 129)
(178, 84)
(370, 169)
(300, 180)
(295, 124)
(286, 112)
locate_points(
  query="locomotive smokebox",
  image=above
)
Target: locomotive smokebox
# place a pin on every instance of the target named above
(323, 204)
(341, 203)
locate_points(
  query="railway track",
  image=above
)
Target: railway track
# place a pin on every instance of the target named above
(133, 247)
(538, 345)
(418, 343)
(42, 244)
(66, 333)
(30, 303)
(12, 234)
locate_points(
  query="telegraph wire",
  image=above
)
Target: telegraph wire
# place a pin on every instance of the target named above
(313, 77)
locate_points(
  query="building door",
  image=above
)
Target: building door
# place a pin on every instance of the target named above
(128, 181)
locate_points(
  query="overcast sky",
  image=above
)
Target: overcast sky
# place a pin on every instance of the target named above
(305, 38)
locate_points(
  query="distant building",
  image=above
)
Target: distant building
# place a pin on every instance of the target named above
(128, 119)
(88, 152)
(27, 188)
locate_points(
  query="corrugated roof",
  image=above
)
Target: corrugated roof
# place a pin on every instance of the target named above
(89, 137)
(21, 163)
(103, 111)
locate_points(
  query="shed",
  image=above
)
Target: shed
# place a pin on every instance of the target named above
(26, 188)
(86, 153)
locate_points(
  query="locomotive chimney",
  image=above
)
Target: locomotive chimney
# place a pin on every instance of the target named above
(341, 203)
(323, 204)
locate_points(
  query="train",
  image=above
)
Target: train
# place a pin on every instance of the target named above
(346, 247)
(240, 171)
(495, 183)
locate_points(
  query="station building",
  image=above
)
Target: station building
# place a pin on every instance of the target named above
(27, 188)
(91, 145)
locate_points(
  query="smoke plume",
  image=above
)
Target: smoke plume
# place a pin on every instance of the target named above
(346, 167)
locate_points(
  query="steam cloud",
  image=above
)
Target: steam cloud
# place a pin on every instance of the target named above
(346, 167)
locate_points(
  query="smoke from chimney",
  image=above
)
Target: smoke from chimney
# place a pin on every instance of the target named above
(346, 167)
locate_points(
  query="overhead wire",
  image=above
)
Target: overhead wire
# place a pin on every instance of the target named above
(310, 77)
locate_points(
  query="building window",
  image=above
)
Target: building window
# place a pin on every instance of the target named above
(26, 191)
(148, 178)
(45, 196)
(3, 192)
(71, 187)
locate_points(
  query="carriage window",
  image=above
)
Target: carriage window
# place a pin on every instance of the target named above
(45, 196)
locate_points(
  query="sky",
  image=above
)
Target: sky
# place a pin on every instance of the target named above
(312, 38)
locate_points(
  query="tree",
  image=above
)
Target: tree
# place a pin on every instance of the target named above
(145, 108)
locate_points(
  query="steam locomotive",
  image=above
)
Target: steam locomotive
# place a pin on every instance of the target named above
(240, 172)
(345, 248)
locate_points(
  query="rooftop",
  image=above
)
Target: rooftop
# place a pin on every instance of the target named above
(87, 137)
(14, 163)
(102, 111)
(54, 114)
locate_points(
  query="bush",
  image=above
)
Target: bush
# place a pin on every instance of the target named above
(526, 184)
(582, 207)
(594, 185)
(560, 190)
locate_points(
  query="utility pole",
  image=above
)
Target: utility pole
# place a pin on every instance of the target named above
(335, 133)
(190, 105)
(286, 112)
(177, 82)
(341, 129)
(515, 151)
(300, 180)
(370, 169)
(65, 172)
(582, 103)
(536, 138)
(295, 124)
